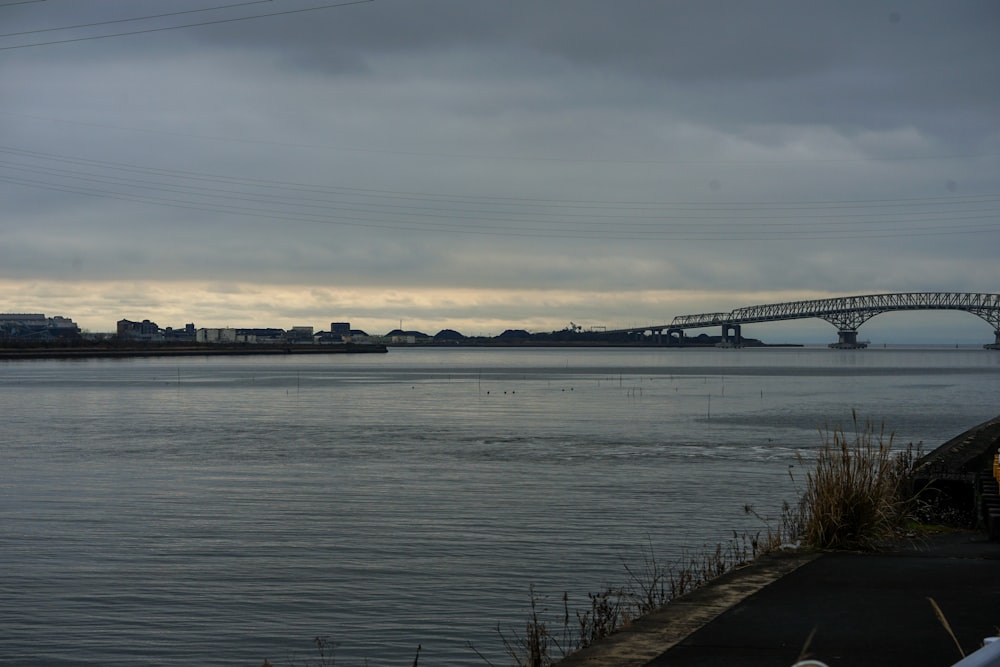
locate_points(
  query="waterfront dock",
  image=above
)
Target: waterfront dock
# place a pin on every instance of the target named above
(843, 608)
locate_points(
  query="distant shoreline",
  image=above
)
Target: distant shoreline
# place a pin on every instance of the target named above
(616, 344)
(159, 350)
(194, 350)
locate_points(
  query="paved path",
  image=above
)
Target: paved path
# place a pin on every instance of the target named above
(858, 609)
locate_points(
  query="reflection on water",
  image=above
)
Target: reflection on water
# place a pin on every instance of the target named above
(220, 511)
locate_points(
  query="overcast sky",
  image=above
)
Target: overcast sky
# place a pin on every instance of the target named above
(483, 165)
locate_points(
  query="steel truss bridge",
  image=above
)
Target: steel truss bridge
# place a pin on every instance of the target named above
(846, 313)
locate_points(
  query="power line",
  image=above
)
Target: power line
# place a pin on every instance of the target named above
(488, 211)
(253, 198)
(946, 228)
(139, 18)
(189, 25)
(511, 158)
(741, 205)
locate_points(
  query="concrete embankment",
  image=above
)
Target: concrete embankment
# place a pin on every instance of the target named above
(842, 608)
(960, 473)
(649, 637)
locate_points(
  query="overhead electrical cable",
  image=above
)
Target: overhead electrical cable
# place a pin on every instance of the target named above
(137, 18)
(489, 212)
(703, 205)
(254, 198)
(188, 25)
(514, 158)
(434, 223)
(613, 234)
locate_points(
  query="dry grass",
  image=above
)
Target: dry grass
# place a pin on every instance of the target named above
(650, 584)
(857, 494)
(538, 646)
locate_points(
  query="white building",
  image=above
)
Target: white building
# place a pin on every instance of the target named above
(216, 336)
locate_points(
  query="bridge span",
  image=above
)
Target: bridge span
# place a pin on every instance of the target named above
(847, 313)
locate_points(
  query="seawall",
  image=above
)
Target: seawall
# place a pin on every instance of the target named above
(842, 608)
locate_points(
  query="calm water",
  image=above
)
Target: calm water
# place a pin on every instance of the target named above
(217, 511)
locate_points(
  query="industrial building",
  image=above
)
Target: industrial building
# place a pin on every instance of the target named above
(36, 327)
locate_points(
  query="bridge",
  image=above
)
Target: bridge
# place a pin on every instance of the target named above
(846, 313)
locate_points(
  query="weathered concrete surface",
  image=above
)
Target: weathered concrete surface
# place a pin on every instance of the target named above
(862, 610)
(654, 633)
(857, 609)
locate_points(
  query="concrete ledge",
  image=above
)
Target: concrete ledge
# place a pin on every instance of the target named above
(651, 635)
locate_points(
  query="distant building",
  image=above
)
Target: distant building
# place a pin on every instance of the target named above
(299, 335)
(260, 335)
(150, 332)
(340, 332)
(400, 335)
(144, 331)
(35, 326)
(216, 336)
(188, 333)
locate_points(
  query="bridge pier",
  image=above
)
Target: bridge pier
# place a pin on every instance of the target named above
(847, 339)
(995, 345)
(675, 336)
(731, 336)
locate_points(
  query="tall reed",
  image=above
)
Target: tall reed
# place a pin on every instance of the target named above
(857, 494)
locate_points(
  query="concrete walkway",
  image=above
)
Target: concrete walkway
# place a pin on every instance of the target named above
(840, 608)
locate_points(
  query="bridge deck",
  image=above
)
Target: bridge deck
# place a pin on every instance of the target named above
(846, 313)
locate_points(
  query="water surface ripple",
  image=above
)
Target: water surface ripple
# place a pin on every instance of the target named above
(217, 511)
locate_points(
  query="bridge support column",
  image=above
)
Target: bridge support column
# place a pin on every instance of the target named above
(731, 336)
(675, 336)
(847, 339)
(996, 344)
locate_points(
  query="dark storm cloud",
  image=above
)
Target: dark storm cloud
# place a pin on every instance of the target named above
(853, 64)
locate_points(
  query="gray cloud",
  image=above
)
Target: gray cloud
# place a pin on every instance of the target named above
(584, 147)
